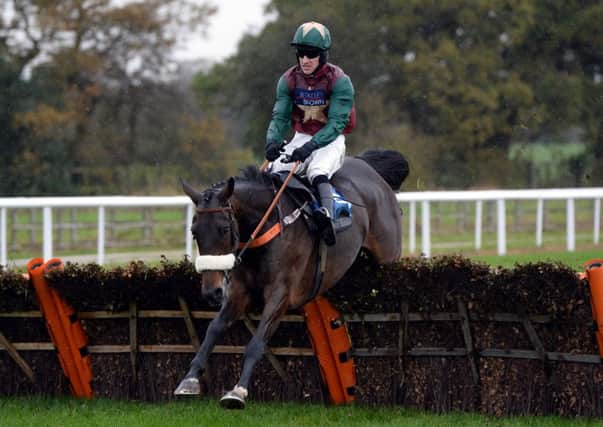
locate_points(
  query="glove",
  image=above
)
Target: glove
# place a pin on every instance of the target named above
(273, 151)
(303, 152)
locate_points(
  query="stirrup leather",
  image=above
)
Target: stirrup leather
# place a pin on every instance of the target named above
(325, 225)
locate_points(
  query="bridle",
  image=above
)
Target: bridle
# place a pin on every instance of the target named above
(220, 262)
(228, 261)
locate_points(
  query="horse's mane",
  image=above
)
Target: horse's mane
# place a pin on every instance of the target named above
(251, 174)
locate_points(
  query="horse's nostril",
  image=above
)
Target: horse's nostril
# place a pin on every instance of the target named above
(218, 292)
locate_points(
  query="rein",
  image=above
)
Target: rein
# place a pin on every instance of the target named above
(266, 237)
(269, 210)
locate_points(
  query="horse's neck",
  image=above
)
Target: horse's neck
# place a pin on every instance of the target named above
(250, 205)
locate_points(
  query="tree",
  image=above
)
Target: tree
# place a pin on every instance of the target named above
(94, 54)
(561, 59)
(465, 78)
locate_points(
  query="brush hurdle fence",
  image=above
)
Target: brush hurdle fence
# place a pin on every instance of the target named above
(440, 334)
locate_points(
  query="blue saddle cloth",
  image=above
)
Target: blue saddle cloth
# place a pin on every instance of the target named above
(341, 207)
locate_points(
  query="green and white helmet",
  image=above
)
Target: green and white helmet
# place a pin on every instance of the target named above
(312, 34)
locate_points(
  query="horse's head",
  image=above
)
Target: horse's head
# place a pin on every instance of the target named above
(216, 232)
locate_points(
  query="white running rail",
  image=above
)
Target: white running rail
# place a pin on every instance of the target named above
(46, 204)
(500, 197)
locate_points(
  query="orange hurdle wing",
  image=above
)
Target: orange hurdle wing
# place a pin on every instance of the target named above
(332, 346)
(35, 268)
(60, 318)
(594, 275)
(75, 334)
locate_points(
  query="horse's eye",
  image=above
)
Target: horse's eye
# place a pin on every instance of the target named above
(224, 230)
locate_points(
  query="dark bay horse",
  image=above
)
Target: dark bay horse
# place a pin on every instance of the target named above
(281, 273)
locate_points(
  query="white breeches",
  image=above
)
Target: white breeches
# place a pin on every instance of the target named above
(324, 161)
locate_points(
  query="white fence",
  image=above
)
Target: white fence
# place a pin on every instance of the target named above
(48, 203)
(500, 197)
(569, 195)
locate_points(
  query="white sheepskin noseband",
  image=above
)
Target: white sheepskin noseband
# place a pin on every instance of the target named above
(214, 262)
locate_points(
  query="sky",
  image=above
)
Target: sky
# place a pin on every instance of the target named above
(233, 19)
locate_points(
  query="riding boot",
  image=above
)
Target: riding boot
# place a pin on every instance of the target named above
(324, 215)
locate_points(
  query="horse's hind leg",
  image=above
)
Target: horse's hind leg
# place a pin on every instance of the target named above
(274, 309)
(384, 239)
(231, 310)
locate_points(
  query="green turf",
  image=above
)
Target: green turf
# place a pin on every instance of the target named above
(100, 412)
(575, 259)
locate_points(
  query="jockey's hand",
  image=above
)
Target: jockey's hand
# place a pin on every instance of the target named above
(273, 150)
(303, 152)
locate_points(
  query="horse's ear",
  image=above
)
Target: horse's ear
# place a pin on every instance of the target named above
(190, 192)
(226, 192)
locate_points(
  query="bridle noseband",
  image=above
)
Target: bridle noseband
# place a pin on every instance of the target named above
(220, 262)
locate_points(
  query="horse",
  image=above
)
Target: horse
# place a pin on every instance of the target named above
(281, 275)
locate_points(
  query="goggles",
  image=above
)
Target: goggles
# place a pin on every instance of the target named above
(307, 52)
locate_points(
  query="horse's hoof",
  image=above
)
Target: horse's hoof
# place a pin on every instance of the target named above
(188, 387)
(234, 399)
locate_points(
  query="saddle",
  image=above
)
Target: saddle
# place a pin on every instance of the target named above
(305, 197)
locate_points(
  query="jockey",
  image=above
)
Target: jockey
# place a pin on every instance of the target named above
(316, 98)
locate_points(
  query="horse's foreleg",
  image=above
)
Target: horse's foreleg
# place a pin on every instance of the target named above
(190, 384)
(273, 311)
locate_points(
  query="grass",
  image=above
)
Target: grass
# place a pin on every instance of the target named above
(36, 411)
(575, 259)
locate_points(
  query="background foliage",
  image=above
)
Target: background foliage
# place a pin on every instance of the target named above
(479, 94)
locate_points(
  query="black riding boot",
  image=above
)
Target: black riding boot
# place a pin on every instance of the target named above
(324, 215)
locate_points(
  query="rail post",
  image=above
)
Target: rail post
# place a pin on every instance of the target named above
(101, 236)
(47, 227)
(501, 227)
(478, 224)
(539, 222)
(596, 221)
(412, 227)
(3, 245)
(571, 224)
(425, 229)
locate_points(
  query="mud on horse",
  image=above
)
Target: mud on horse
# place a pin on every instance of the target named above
(281, 274)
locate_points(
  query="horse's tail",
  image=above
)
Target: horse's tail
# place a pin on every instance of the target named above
(391, 165)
